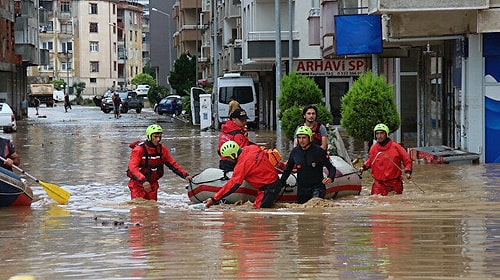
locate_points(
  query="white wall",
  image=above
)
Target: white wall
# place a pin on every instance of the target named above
(474, 97)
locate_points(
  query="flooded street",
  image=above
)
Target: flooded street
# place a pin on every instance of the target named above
(446, 224)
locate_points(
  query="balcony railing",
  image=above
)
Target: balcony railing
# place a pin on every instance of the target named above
(391, 6)
(271, 35)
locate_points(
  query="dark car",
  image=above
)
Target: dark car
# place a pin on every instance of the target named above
(129, 99)
(171, 104)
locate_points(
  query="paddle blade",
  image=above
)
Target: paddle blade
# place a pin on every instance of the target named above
(55, 192)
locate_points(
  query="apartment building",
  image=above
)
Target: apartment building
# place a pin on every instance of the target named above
(441, 57)
(95, 42)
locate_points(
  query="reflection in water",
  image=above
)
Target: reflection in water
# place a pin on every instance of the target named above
(448, 232)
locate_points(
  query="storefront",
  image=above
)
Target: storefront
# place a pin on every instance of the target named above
(334, 77)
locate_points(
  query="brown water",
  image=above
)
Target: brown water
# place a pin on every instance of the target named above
(444, 226)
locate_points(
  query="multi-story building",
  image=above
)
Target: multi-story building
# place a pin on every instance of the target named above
(439, 55)
(190, 29)
(98, 43)
(163, 27)
(20, 49)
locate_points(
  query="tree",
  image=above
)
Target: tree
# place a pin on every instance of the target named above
(79, 87)
(143, 79)
(368, 102)
(147, 69)
(298, 91)
(58, 84)
(156, 92)
(183, 77)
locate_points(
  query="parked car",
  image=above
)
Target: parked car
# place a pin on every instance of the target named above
(171, 104)
(142, 90)
(7, 118)
(129, 99)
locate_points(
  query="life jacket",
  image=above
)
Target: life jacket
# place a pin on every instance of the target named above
(316, 137)
(151, 162)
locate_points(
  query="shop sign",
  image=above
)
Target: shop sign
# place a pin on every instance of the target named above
(331, 67)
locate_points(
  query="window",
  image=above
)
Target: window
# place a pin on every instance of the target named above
(94, 66)
(67, 47)
(48, 45)
(50, 26)
(94, 46)
(66, 28)
(65, 7)
(93, 80)
(93, 27)
(93, 8)
(114, 65)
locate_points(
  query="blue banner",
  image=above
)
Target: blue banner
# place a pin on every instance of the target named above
(358, 34)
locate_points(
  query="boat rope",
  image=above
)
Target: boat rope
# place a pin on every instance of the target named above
(398, 167)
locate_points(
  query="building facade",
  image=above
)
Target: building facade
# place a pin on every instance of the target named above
(439, 55)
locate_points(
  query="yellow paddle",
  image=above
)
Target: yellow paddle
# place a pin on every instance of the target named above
(54, 191)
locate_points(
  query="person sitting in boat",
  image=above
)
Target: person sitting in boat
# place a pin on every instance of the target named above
(385, 158)
(8, 152)
(146, 165)
(309, 160)
(233, 130)
(251, 165)
(320, 134)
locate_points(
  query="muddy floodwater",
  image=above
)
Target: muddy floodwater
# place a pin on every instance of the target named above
(446, 224)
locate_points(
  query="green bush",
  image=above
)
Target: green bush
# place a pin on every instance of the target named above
(297, 92)
(297, 89)
(368, 102)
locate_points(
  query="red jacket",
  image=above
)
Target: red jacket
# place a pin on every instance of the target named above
(254, 167)
(385, 161)
(146, 162)
(232, 132)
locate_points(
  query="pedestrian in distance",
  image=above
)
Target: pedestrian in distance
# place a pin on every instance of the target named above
(309, 159)
(24, 107)
(145, 167)
(320, 134)
(233, 130)
(253, 166)
(385, 158)
(36, 103)
(233, 105)
(8, 152)
(67, 103)
(117, 102)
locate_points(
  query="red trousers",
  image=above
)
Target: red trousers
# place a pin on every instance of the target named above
(136, 190)
(384, 187)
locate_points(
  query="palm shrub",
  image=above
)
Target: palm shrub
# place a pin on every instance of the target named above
(298, 91)
(368, 102)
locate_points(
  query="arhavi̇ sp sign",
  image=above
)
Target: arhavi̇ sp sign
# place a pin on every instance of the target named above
(331, 67)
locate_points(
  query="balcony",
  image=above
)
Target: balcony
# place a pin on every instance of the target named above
(29, 53)
(188, 34)
(190, 4)
(230, 59)
(403, 6)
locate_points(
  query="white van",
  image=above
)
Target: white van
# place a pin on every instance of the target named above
(242, 89)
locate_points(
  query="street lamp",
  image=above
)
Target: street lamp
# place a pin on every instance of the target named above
(169, 42)
(124, 50)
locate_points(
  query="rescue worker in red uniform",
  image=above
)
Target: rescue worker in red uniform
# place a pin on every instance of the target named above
(233, 130)
(385, 158)
(320, 134)
(146, 165)
(309, 160)
(253, 166)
